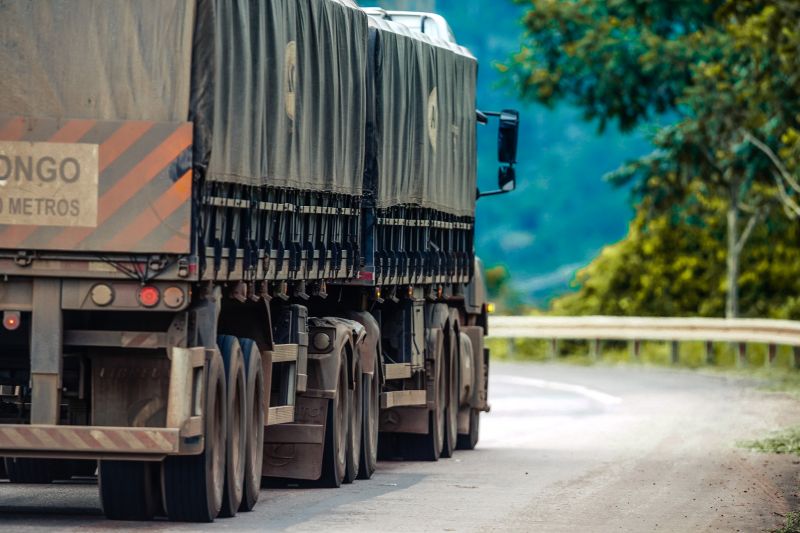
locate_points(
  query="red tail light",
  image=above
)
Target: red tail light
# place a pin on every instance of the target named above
(149, 296)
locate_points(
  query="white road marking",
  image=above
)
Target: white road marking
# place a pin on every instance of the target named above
(595, 395)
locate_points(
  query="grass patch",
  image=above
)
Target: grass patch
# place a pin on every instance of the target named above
(786, 441)
(778, 381)
(792, 524)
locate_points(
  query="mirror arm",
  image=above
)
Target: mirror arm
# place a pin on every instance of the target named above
(491, 193)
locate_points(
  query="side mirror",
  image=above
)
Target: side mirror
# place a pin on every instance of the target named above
(507, 178)
(507, 139)
(507, 136)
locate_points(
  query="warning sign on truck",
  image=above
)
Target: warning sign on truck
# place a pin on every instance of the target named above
(48, 184)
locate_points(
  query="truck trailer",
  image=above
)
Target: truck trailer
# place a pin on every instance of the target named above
(236, 247)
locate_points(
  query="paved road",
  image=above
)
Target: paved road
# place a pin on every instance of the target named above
(565, 449)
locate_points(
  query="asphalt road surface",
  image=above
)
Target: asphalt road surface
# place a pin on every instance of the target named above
(565, 448)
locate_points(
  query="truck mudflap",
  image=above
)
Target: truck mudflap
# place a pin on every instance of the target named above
(95, 186)
(91, 442)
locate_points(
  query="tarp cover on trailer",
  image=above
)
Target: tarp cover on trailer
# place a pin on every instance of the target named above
(109, 60)
(276, 89)
(424, 141)
(290, 103)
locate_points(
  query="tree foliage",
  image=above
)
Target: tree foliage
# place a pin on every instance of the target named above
(674, 265)
(619, 60)
(728, 72)
(497, 278)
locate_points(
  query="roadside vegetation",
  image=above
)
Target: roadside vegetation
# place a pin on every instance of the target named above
(792, 524)
(717, 86)
(785, 441)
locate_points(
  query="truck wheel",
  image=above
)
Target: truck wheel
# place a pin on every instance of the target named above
(236, 436)
(36, 471)
(130, 490)
(254, 449)
(334, 458)
(438, 420)
(354, 429)
(468, 441)
(451, 409)
(370, 399)
(193, 483)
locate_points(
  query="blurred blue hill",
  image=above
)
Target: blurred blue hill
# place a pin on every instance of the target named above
(562, 213)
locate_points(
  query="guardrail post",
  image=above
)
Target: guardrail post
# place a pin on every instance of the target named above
(552, 352)
(510, 345)
(796, 358)
(772, 352)
(594, 349)
(709, 353)
(741, 354)
(674, 352)
(636, 349)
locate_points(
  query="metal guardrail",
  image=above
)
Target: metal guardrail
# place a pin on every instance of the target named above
(595, 329)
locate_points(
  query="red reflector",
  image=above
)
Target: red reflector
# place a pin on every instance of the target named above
(11, 320)
(148, 296)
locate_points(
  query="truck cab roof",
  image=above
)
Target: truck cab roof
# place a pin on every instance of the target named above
(430, 24)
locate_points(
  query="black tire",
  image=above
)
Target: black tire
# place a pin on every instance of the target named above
(451, 408)
(254, 449)
(468, 441)
(236, 448)
(36, 471)
(334, 458)
(130, 490)
(370, 399)
(438, 415)
(193, 484)
(354, 429)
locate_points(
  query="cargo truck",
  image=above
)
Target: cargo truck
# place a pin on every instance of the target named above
(236, 247)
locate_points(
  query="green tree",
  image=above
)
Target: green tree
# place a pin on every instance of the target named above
(673, 264)
(617, 60)
(726, 70)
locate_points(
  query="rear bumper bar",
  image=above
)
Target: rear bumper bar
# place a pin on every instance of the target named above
(90, 442)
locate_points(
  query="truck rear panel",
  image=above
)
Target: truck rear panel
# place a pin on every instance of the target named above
(95, 186)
